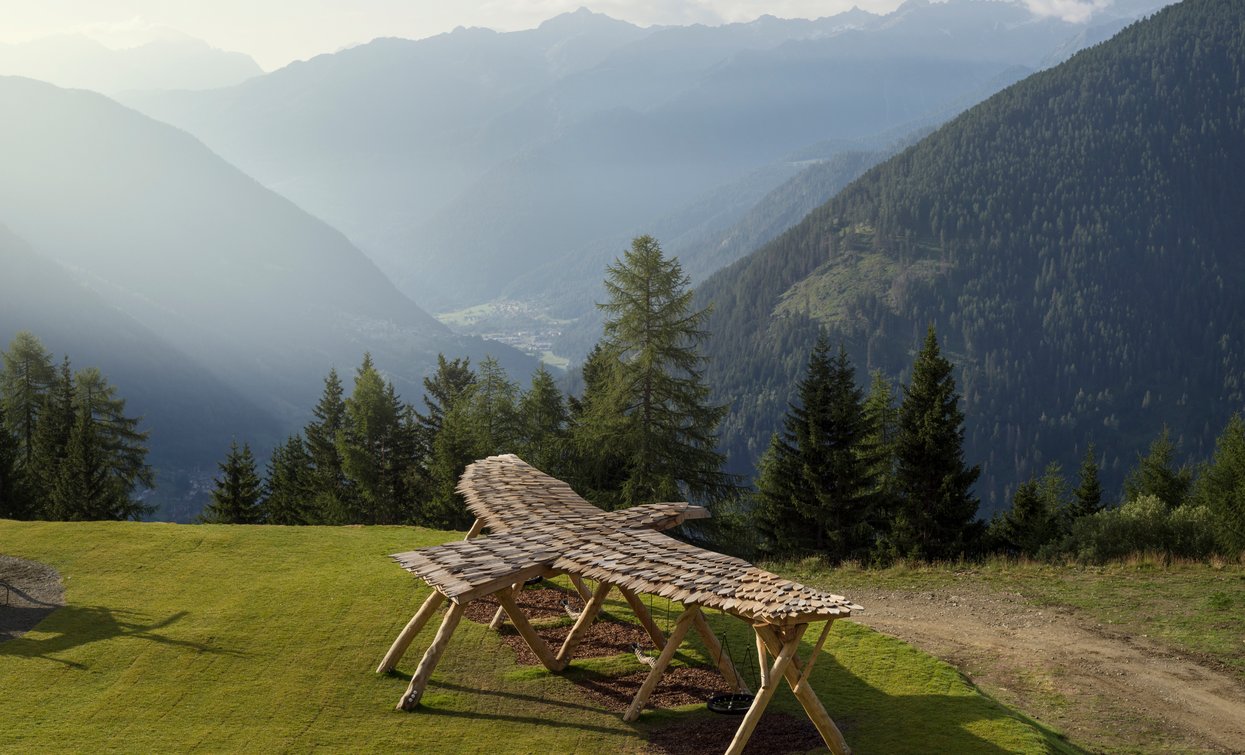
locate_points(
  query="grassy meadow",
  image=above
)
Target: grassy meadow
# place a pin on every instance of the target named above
(246, 639)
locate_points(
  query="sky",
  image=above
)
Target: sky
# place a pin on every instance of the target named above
(275, 32)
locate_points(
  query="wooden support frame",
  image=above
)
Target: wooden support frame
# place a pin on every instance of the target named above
(580, 587)
(646, 619)
(667, 654)
(419, 680)
(808, 698)
(586, 617)
(725, 666)
(782, 663)
(533, 640)
(417, 622)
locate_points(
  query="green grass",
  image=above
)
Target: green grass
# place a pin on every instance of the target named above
(1194, 607)
(248, 639)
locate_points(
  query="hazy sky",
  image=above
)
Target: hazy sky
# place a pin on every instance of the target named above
(274, 32)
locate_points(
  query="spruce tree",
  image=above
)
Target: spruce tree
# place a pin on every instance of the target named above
(1158, 474)
(543, 421)
(447, 384)
(238, 491)
(374, 447)
(27, 376)
(658, 413)
(1037, 517)
(456, 445)
(817, 492)
(289, 492)
(14, 501)
(937, 507)
(332, 496)
(596, 470)
(878, 449)
(124, 445)
(1087, 498)
(58, 417)
(1221, 488)
(87, 488)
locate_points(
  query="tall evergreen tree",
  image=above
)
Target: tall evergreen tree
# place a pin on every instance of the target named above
(1221, 487)
(331, 502)
(58, 419)
(27, 376)
(238, 491)
(494, 412)
(87, 487)
(878, 449)
(447, 384)
(658, 413)
(1038, 516)
(543, 419)
(596, 470)
(1158, 474)
(289, 489)
(1087, 498)
(817, 492)
(937, 506)
(13, 498)
(376, 447)
(124, 445)
(456, 445)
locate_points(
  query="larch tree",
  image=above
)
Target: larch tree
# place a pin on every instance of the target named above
(27, 376)
(937, 507)
(656, 409)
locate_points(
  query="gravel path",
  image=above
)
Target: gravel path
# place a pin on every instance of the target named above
(34, 591)
(1105, 689)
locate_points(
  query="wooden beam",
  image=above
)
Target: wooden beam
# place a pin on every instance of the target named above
(804, 692)
(476, 527)
(586, 617)
(417, 622)
(723, 661)
(646, 619)
(415, 690)
(667, 654)
(533, 640)
(762, 658)
(580, 587)
(782, 662)
(493, 585)
(812, 658)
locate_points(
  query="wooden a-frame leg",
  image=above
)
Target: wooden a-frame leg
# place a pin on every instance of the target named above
(580, 587)
(646, 619)
(725, 667)
(476, 527)
(782, 662)
(417, 622)
(499, 615)
(586, 617)
(415, 690)
(533, 640)
(667, 654)
(804, 692)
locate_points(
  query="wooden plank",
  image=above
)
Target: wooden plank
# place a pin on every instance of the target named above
(782, 662)
(586, 617)
(816, 712)
(533, 640)
(646, 619)
(726, 667)
(419, 680)
(417, 622)
(667, 654)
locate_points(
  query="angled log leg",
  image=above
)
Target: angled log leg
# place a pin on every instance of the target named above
(725, 667)
(646, 619)
(667, 654)
(580, 587)
(500, 614)
(476, 527)
(533, 640)
(803, 690)
(586, 617)
(417, 622)
(415, 690)
(782, 662)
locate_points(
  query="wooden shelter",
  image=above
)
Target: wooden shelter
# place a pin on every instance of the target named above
(539, 527)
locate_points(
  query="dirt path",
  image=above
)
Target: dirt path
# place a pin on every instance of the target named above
(29, 591)
(1104, 689)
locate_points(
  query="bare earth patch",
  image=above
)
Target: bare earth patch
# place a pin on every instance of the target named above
(1105, 689)
(34, 591)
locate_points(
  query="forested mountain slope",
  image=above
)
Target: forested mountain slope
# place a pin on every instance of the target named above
(1077, 240)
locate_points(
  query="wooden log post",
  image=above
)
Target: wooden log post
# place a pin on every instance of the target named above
(500, 614)
(804, 692)
(415, 690)
(584, 593)
(667, 654)
(476, 527)
(723, 661)
(646, 619)
(762, 659)
(533, 640)
(586, 617)
(417, 622)
(782, 662)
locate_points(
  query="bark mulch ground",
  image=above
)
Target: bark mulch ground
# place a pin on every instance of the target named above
(29, 591)
(680, 685)
(701, 735)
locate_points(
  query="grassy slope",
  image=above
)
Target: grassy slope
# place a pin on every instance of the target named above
(1196, 608)
(265, 638)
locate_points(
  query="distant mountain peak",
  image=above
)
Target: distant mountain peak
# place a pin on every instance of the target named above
(580, 18)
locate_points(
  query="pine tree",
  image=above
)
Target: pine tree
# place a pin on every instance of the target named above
(376, 448)
(1087, 498)
(238, 491)
(27, 376)
(1157, 474)
(658, 414)
(543, 419)
(288, 493)
(332, 496)
(596, 470)
(456, 445)
(878, 449)
(124, 445)
(817, 492)
(1221, 487)
(1037, 518)
(58, 418)
(937, 506)
(87, 488)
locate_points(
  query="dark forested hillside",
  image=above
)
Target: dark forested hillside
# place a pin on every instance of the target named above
(1076, 239)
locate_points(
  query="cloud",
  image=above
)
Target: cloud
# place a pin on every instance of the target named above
(1072, 11)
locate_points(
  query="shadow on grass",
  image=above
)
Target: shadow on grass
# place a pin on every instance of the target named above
(75, 626)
